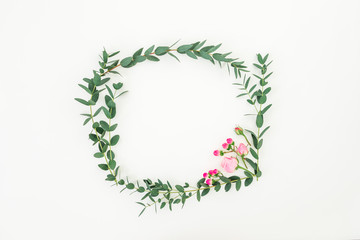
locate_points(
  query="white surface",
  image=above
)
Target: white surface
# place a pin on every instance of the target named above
(175, 115)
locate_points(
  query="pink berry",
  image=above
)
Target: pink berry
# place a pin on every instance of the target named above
(205, 175)
(211, 172)
(216, 152)
(215, 171)
(229, 141)
(225, 145)
(208, 181)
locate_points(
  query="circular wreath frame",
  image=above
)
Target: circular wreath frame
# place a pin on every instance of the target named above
(163, 193)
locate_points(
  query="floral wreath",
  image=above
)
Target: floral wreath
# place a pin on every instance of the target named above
(235, 157)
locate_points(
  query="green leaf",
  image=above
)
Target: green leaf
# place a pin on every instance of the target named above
(262, 133)
(141, 189)
(266, 91)
(265, 58)
(86, 121)
(252, 88)
(179, 188)
(184, 48)
(159, 51)
(104, 125)
(198, 196)
(249, 175)
(110, 92)
(250, 101)
(93, 137)
(251, 162)
(139, 59)
(191, 54)
(259, 120)
(116, 171)
(109, 102)
(85, 88)
(267, 76)
(227, 187)
(130, 186)
(102, 147)
(262, 99)
(240, 95)
(247, 82)
(205, 55)
(213, 49)
(174, 56)
(154, 192)
(126, 61)
(82, 101)
(248, 181)
(99, 155)
(142, 212)
(112, 164)
(95, 125)
(265, 109)
(149, 50)
(105, 56)
(114, 140)
(97, 79)
(113, 127)
(238, 185)
(118, 85)
(152, 58)
(224, 179)
(110, 177)
(205, 191)
(104, 167)
(198, 45)
(253, 153)
(261, 61)
(138, 52)
(162, 205)
(106, 112)
(217, 187)
(113, 54)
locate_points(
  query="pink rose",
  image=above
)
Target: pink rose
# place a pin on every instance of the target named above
(242, 149)
(225, 145)
(215, 171)
(229, 164)
(211, 172)
(208, 181)
(216, 152)
(229, 141)
(239, 130)
(205, 175)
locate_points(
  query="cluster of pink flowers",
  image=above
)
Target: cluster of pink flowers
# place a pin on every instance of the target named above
(230, 163)
(209, 175)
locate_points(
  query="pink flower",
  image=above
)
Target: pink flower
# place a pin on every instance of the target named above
(216, 152)
(239, 130)
(225, 145)
(211, 172)
(229, 141)
(229, 164)
(242, 149)
(205, 175)
(215, 171)
(208, 181)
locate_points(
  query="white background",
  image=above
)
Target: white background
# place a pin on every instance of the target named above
(175, 115)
